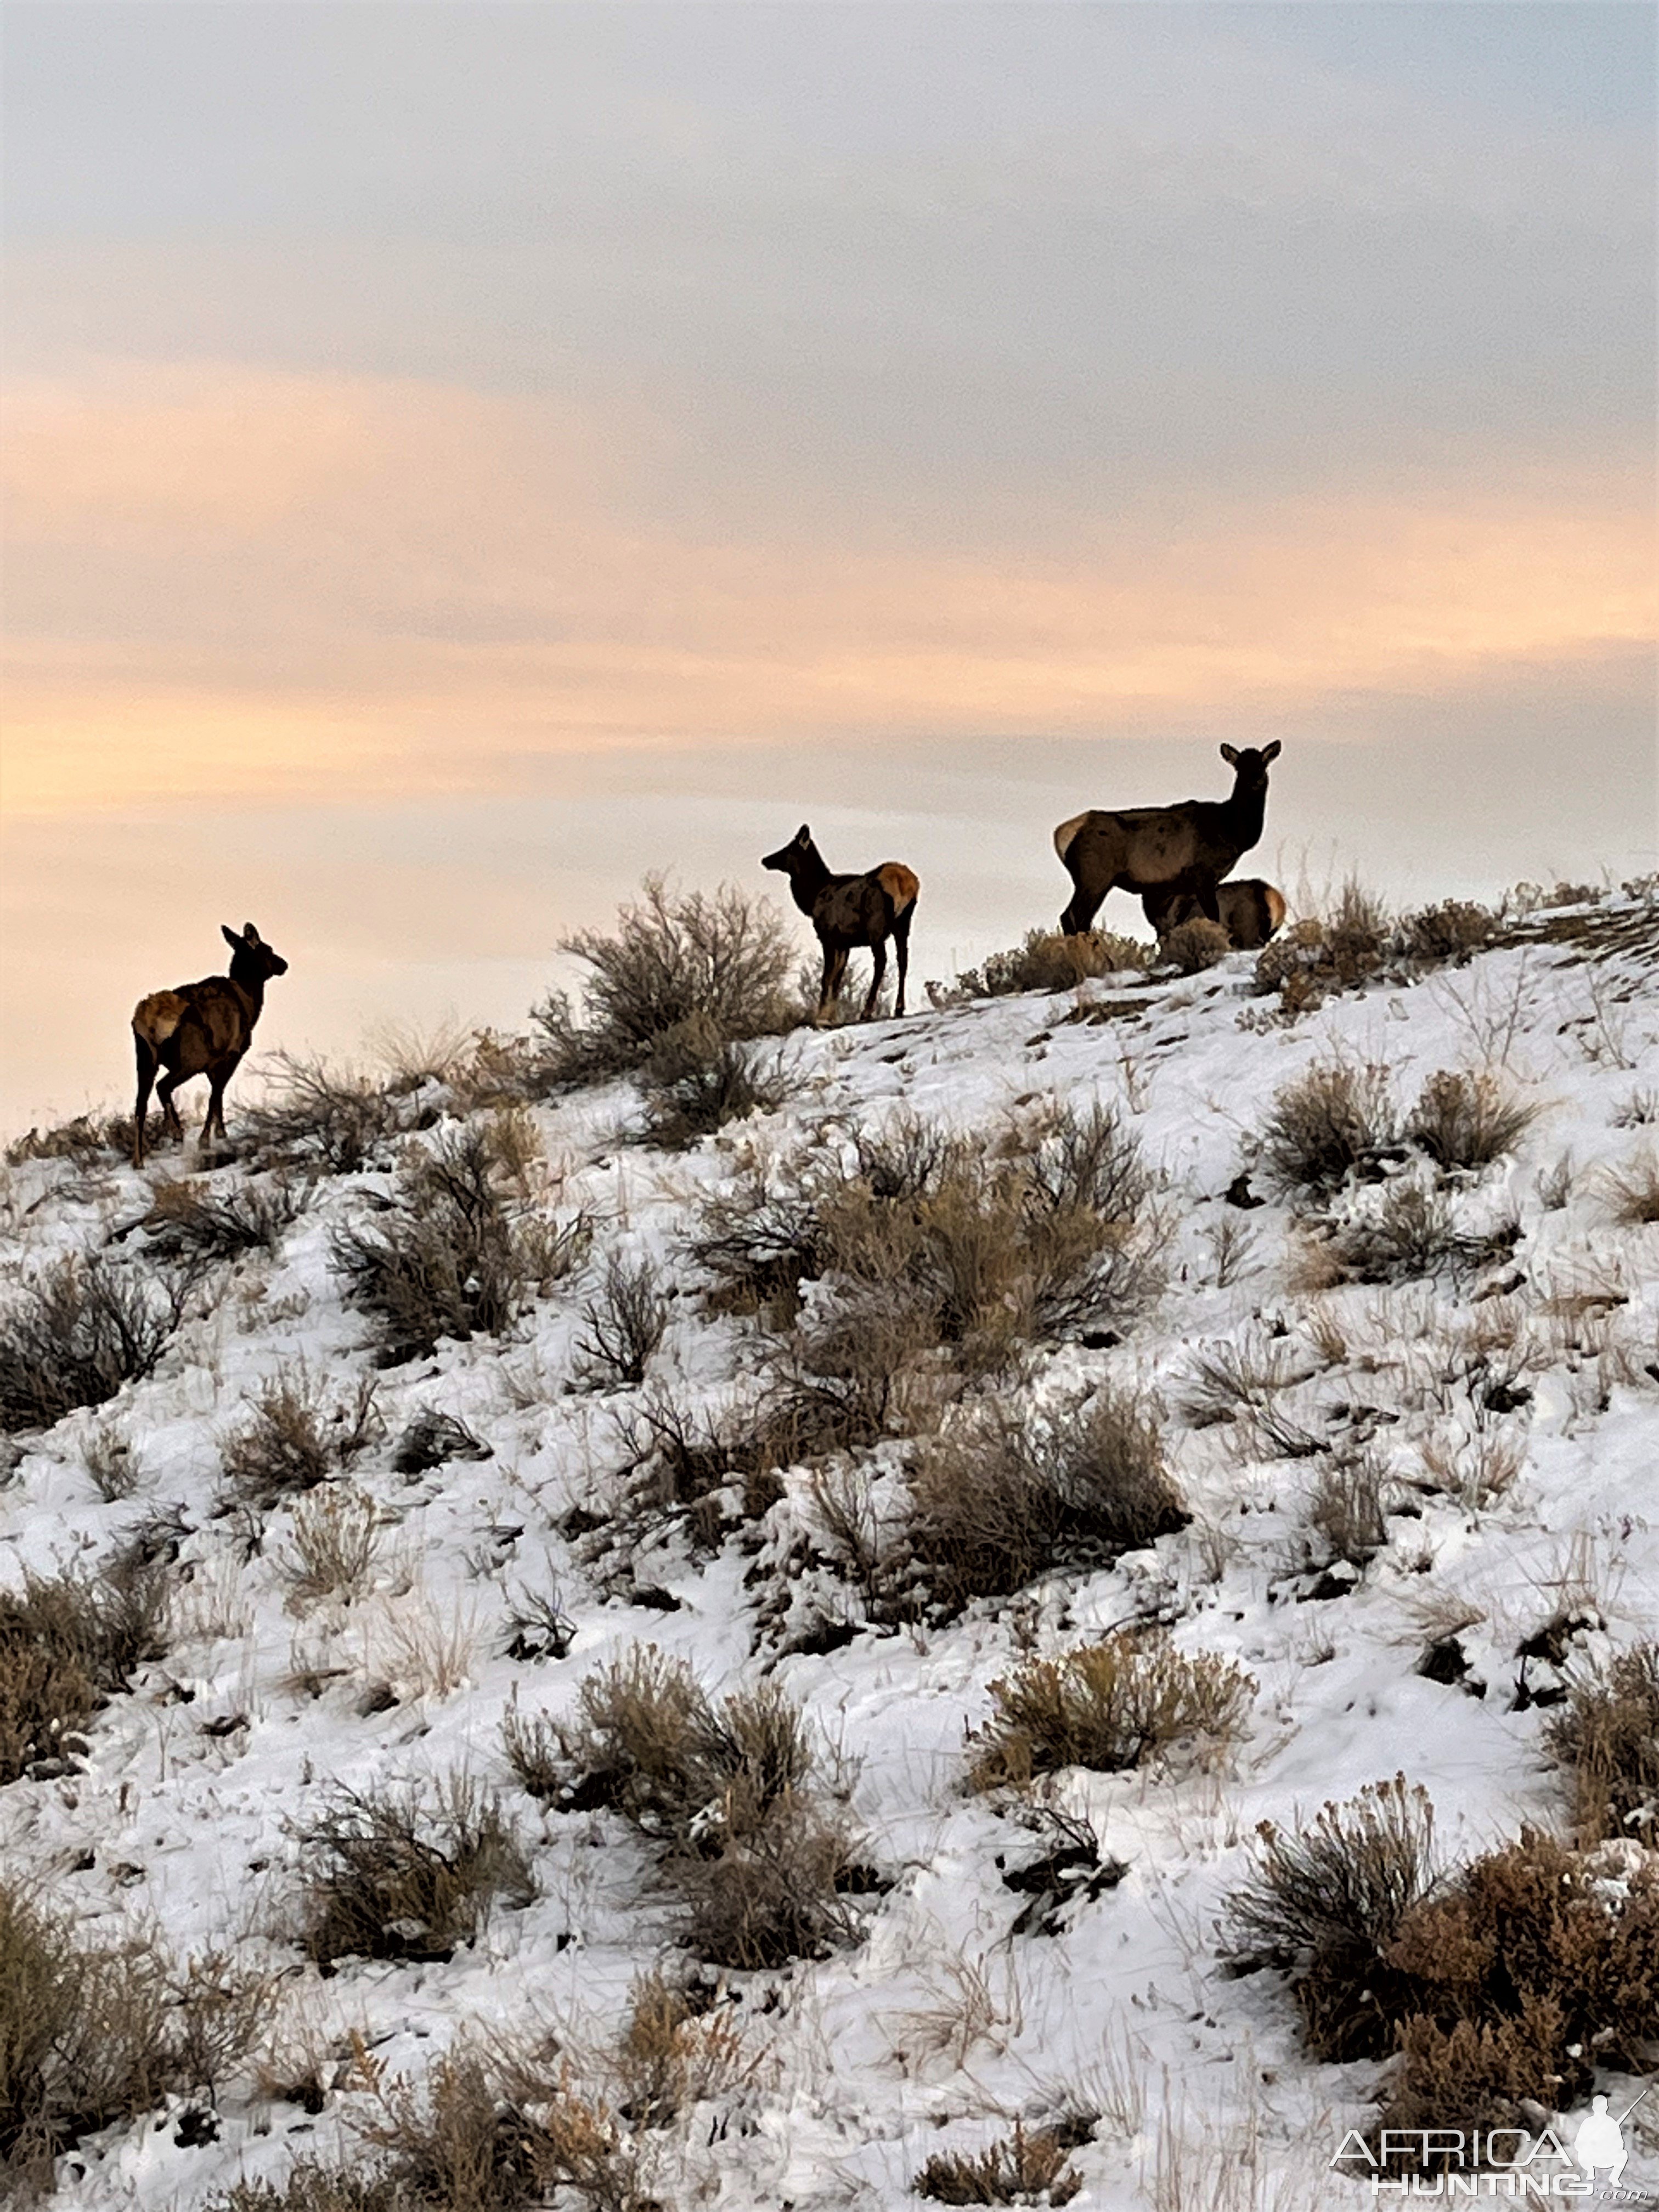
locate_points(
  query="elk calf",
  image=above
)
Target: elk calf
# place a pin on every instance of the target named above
(1166, 850)
(1250, 911)
(200, 1028)
(850, 910)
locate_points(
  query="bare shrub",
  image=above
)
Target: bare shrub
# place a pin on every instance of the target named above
(1640, 1110)
(85, 1140)
(1194, 945)
(761, 1239)
(671, 957)
(1467, 1121)
(1108, 1706)
(1606, 1735)
(313, 2186)
(1632, 1192)
(326, 1119)
(1411, 1231)
(1009, 1494)
(1020, 2169)
(393, 1873)
(1335, 1122)
(296, 1435)
(450, 1255)
(1528, 1968)
(696, 1079)
(336, 1542)
(682, 1458)
(92, 2035)
(434, 1439)
(192, 1218)
(67, 1644)
(622, 1324)
(84, 1327)
(1049, 962)
(1328, 1901)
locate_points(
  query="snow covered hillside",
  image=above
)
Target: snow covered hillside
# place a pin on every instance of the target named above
(1313, 1392)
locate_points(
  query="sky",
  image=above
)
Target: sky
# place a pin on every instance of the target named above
(461, 457)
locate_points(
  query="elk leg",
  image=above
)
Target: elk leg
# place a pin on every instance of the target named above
(1209, 901)
(147, 1066)
(218, 1076)
(901, 941)
(1079, 915)
(171, 1125)
(827, 987)
(878, 968)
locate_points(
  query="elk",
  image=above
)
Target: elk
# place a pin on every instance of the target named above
(1250, 911)
(850, 910)
(1167, 850)
(200, 1028)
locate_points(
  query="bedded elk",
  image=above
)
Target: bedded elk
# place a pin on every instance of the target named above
(1250, 911)
(848, 911)
(1168, 850)
(200, 1028)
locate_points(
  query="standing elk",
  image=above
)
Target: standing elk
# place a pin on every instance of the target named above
(200, 1028)
(1167, 850)
(850, 910)
(1250, 910)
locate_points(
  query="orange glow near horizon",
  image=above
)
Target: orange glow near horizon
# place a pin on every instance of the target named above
(256, 585)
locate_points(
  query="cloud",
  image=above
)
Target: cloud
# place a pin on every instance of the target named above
(231, 580)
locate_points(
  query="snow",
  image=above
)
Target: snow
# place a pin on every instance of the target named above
(873, 2058)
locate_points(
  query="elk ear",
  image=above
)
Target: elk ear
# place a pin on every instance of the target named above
(230, 937)
(803, 835)
(1271, 753)
(250, 932)
(1229, 754)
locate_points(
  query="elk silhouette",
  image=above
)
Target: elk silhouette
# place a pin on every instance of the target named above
(1251, 911)
(200, 1028)
(848, 911)
(1166, 850)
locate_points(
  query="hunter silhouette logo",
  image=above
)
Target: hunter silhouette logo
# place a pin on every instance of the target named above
(1600, 2141)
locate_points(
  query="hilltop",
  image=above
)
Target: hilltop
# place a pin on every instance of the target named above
(1043, 1440)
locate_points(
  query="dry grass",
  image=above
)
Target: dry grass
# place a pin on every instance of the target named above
(670, 958)
(673, 2053)
(1329, 1900)
(296, 1435)
(333, 1551)
(1193, 946)
(1335, 1122)
(1020, 2169)
(1047, 961)
(754, 1854)
(93, 2035)
(81, 1328)
(1108, 1706)
(1606, 1736)
(452, 1253)
(67, 1644)
(1008, 1494)
(1467, 1121)
(1347, 1511)
(622, 1324)
(1632, 1192)
(408, 1874)
(1314, 958)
